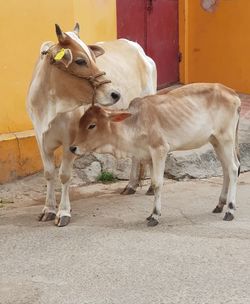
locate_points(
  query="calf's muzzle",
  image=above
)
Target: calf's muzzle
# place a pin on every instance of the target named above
(72, 149)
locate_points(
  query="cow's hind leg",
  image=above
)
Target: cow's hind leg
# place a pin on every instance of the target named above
(64, 210)
(226, 150)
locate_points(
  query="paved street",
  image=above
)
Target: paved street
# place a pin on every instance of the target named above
(108, 255)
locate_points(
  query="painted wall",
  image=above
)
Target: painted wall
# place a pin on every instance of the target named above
(215, 46)
(24, 25)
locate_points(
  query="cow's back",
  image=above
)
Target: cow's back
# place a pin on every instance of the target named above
(131, 71)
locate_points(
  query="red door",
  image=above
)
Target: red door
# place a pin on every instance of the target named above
(154, 25)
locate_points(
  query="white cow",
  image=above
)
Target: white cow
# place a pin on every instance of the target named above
(183, 119)
(67, 76)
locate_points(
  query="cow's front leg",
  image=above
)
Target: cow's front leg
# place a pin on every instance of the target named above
(49, 210)
(157, 175)
(64, 210)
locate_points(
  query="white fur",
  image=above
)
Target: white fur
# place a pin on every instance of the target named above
(52, 120)
(81, 43)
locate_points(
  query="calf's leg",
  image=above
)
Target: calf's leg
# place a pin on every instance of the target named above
(157, 175)
(150, 190)
(134, 179)
(223, 196)
(230, 162)
(233, 175)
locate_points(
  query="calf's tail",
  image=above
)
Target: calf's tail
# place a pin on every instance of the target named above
(237, 148)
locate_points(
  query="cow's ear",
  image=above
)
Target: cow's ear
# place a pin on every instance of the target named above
(97, 50)
(45, 47)
(65, 56)
(76, 29)
(119, 116)
(62, 38)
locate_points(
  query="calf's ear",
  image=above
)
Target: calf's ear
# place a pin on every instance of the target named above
(119, 116)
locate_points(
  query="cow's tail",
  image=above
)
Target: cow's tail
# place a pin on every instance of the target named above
(237, 148)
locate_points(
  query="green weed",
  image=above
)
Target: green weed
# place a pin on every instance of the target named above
(106, 177)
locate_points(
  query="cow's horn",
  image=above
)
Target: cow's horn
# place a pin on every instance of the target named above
(77, 29)
(60, 35)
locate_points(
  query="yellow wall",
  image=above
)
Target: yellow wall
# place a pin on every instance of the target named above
(215, 46)
(24, 25)
(97, 19)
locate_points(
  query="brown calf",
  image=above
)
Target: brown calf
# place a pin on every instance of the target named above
(183, 119)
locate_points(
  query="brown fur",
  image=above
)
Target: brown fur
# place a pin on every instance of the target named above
(183, 119)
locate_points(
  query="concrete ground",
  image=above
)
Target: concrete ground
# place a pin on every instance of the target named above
(108, 254)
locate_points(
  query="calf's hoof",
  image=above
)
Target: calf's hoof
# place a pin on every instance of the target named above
(46, 216)
(217, 209)
(228, 217)
(150, 191)
(149, 217)
(152, 221)
(127, 191)
(62, 221)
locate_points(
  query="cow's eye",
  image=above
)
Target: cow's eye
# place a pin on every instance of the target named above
(81, 61)
(92, 126)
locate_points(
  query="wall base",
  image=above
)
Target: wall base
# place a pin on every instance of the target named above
(19, 155)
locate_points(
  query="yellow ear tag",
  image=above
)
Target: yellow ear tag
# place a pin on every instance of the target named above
(60, 55)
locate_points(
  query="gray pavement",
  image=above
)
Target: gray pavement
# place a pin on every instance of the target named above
(108, 255)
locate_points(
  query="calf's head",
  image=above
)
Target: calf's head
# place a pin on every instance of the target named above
(96, 130)
(77, 75)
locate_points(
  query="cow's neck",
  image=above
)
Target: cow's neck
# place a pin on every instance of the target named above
(54, 99)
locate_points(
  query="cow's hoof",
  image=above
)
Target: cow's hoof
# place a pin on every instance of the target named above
(218, 209)
(46, 216)
(150, 191)
(228, 217)
(152, 221)
(62, 221)
(128, 190)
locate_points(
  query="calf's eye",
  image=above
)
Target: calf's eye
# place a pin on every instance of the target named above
(92, 126)
(81, 61)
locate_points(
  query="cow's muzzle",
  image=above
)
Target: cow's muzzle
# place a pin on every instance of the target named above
(115, 96)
